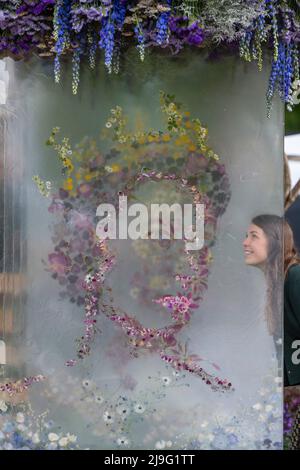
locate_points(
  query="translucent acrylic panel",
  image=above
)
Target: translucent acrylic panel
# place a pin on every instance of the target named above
(128, 390)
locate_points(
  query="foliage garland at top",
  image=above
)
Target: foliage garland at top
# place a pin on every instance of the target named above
(82, 28)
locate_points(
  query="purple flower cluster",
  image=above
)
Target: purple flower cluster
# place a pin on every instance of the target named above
(190, 34)
(80, 17)
(24, 27)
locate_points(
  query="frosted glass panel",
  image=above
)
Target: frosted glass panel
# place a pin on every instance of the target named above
(131, 390)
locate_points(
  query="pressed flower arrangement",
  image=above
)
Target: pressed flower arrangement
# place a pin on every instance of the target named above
(81, 261)
(95, 28)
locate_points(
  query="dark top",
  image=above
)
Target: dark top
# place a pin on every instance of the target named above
(292, 216)
(292, 326)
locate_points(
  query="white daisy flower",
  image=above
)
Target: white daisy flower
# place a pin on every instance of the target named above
(166, 380)
(139, 408)
(108, 124)
(88, 278)
(87, 384)
(98, 399)
(108, 417)
(122, 441)
(123, 410)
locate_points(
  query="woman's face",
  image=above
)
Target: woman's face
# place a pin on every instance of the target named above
(255, 246)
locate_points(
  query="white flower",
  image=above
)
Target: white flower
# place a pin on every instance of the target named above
(108, 169)
(139, 408)
(72, 438)
(36, 438)
(166, 380)
(108, 124)
(108, 417)
(21, 427)
(88, 278)
(98, 399)
(53, 437)
(160, 445)
(3, 406)
(257, 406)
(87, 384)
(122, 441)
(123, 411)
(63, 441)
(20, 418)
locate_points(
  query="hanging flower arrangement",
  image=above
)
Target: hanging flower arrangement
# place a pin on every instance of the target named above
(95, 28)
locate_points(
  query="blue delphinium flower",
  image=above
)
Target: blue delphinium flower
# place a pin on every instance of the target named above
(107, 39)
(141, 40)
(62, 26)
(162, 26)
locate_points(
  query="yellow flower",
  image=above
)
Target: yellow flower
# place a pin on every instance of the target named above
(192, 148)
(68, 184)
(166, 138)
(89, 176)
(115, 167)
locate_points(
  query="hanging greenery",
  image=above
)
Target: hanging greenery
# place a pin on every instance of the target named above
(91, 28)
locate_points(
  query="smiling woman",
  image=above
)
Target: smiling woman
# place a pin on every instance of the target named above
(263, 248)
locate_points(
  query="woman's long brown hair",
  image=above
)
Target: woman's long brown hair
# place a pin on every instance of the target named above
(282, 254)
(291, 255)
